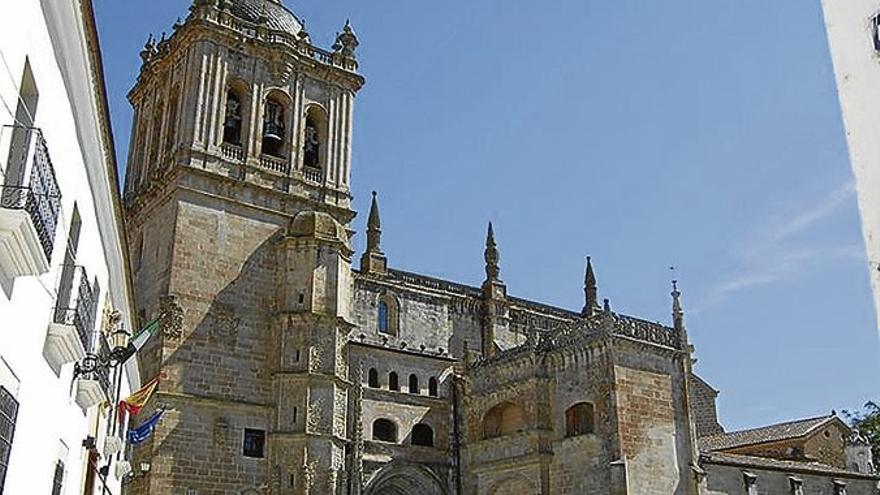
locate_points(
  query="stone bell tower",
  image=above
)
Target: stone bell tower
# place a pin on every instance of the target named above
(238, 209)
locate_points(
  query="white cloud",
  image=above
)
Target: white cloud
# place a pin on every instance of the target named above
(774, 254)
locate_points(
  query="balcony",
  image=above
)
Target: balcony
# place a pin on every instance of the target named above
(315, 175)
(274, 164)
(30, 203)
(70, 332)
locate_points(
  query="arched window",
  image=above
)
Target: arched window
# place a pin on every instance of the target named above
(384, 327)
(387, 314)
(171, 124)
(314, 138)
(423, 435)
(384, 430)
(273, 128)
(374, 378)
(579, 419)
(503, 419)
(155, 139)
(392, 381)
(432, 387)
(232, 122)
(413, 384)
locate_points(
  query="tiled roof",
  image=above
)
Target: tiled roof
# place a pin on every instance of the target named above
(277, 17)
(764, 434)
(807, 467)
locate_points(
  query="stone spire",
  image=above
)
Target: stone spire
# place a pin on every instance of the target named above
(491, 256)
(591, 291)
(677, 313)
(373, 260)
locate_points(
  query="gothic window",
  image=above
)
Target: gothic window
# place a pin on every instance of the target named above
(383, 317)
(432, 387)
(314, 137)
(392, 381)
(384, 430)
(233, 119)
(423, 435)
(579, 419)
(503, 419)
(413, 384)
(254, 442)
(273, 128)
(875, 31)
(8, 415)
(387, 315)
(374, 378)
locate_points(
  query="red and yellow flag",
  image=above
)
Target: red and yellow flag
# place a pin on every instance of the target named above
(136, 401)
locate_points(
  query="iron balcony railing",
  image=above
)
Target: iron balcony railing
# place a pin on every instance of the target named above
(102, 373)
(39, 195)
(81, 307)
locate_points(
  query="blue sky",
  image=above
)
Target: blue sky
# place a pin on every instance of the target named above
(704, 135)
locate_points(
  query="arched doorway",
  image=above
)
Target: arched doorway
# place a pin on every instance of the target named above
(404, 480)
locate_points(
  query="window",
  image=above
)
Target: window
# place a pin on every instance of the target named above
(8, 415)
(254, 440)
(20, 141)
(423, 435)
(875, 31)
(432, 387)
(232, 122)
(64, 306)
(171, 124)
(313, 138)
(413, 384)
(273, 128)
(383, 317)
(374, 378)
(392, 381)
(579, 419)
(384, 430)
(155, 139)
(294, 415)
(58, 479)
(503, 419)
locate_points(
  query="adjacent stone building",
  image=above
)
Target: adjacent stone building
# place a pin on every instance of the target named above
(295, 372)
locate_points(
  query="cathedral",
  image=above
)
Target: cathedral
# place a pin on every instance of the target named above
(298, 366)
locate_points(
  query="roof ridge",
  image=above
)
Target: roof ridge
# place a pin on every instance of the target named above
(773, 425)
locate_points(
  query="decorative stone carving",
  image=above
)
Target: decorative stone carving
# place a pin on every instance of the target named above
(225, 324)
(170, 317)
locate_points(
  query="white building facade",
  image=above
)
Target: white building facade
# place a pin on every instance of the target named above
(64, 289)
(854, 41)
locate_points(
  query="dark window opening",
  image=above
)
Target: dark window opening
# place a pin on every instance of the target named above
(294, 414)
(423, 435)
(8, 415)
(273, 128)
(413, 384)
(20, 142)
(312, 143)
(392, 381)
(373, 379)
(875, 31)
(254, 441)
(579, 419)
(384, 430)
(232, 122)
(432, 387)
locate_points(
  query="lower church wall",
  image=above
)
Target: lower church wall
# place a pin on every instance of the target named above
(730, 480)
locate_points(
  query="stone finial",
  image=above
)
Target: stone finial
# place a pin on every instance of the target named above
(677, 313)
(491, 256)
(346, 41)
(149, 49)
(374, 260)
(591, 297)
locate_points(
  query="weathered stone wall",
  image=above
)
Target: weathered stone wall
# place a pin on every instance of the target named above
(703, 410)
(729, 480)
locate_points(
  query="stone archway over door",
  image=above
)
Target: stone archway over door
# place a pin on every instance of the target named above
(405, 480)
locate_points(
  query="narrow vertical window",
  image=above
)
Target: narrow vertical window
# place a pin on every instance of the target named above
(273, 128)
(392, 381)
(8, 415)
(21, 132)
(171, 125)
(232, 122)
(312, 143)
(414, 384)
(155, 140)
(65, 305)
(383, 317)
(373, 378)
(432, 387)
